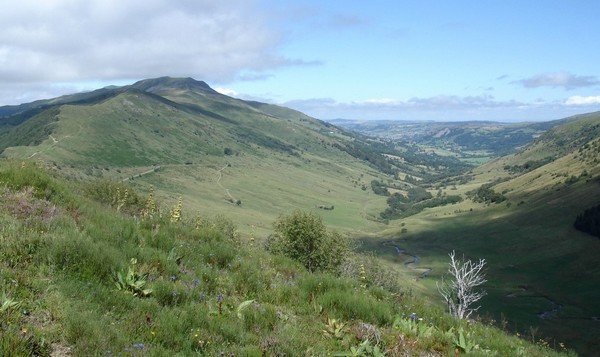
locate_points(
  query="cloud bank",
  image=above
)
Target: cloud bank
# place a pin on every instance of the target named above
(579, 100)
(558, 79)
(445, 107)
(63, 41)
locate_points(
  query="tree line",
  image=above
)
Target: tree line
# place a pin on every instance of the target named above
(589, 221)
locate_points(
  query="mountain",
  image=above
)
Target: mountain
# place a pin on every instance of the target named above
(184, 138)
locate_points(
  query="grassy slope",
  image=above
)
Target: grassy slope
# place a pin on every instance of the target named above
(537, 260)
(62, 249)
(281, 159)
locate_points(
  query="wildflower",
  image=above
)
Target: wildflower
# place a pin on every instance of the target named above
(220, 302)
(198, 221)
(195, 282)
(413, 316)
(150, 208)
(176, 211)
(138, 345)
(363, 276)
(173, 277)
(252, 235)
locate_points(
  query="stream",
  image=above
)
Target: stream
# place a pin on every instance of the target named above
(412, 262)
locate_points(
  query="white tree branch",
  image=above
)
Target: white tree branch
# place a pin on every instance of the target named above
(459, 293)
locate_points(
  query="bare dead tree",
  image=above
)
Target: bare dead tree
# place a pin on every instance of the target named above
(459, 292)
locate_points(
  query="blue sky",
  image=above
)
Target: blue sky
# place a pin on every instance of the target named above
(425, 60)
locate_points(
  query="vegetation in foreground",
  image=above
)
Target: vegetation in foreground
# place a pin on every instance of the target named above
(97, 269)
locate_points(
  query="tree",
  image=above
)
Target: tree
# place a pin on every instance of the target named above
(302, 236)
(459, 293)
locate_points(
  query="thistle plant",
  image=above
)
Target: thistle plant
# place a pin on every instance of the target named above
(132, 281)
(176, 211)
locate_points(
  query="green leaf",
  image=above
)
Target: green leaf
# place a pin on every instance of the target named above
(242, 306)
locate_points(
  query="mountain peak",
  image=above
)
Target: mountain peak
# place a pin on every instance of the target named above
(158, 84)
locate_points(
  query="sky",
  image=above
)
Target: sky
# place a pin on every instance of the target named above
(437, 60)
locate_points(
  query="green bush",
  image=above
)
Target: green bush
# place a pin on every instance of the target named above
(303, 236)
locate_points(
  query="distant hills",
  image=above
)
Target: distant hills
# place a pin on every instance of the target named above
(483, 137)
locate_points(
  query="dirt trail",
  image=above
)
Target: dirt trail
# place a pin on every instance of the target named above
(156, 168)
(54, 142)
(233, 199)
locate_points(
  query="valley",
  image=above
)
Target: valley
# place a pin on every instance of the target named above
(407, 192)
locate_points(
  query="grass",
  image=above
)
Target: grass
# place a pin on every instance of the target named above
(536, 259)
(211, 292)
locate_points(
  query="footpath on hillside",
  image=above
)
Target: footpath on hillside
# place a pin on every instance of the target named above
(231, 198)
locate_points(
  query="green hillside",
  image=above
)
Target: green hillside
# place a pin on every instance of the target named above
(543, 272)
(176, 133)
(93, 268)
(411, 202)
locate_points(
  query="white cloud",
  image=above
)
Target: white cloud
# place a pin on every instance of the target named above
(44, 42)
(381, 101)
(558, 79)
(226, 91)
(579, 100)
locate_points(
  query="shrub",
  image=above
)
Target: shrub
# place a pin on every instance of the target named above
(303, 237)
